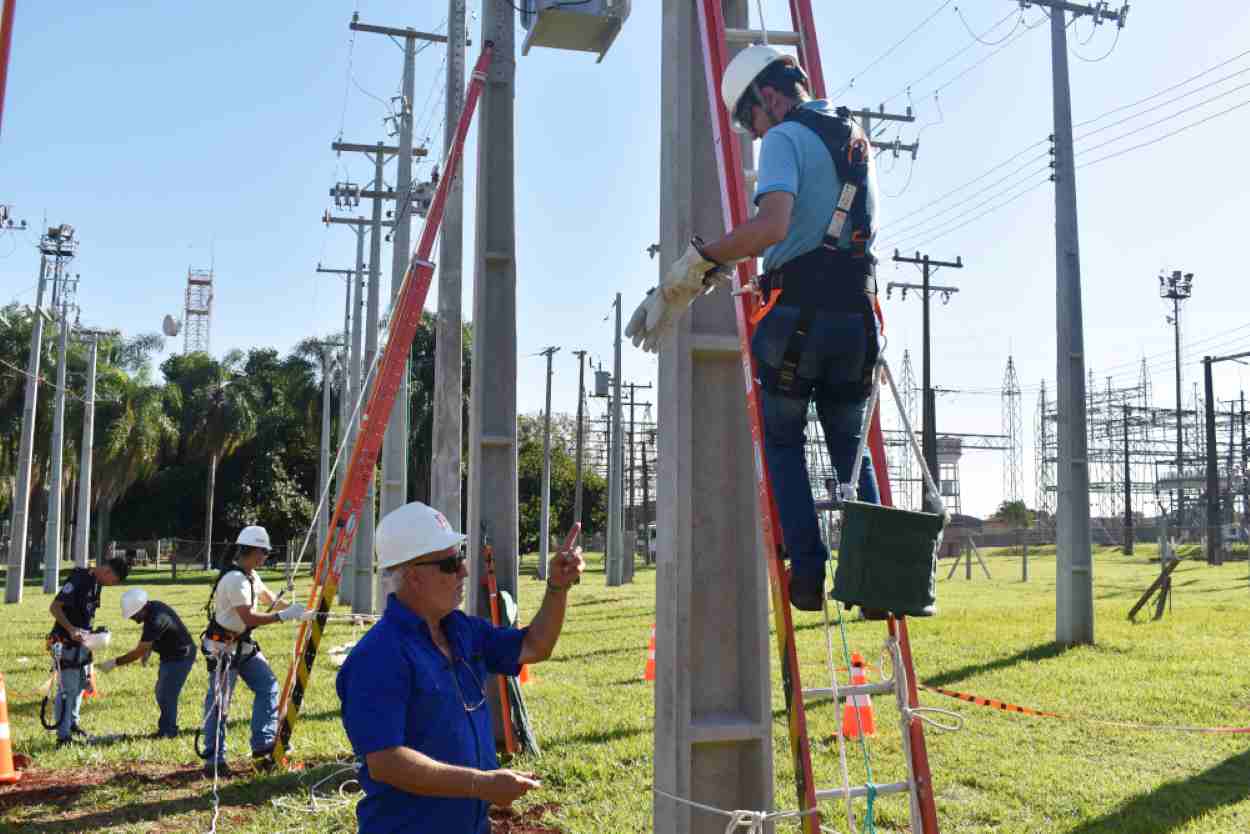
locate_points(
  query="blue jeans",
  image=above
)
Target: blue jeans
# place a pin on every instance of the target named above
(170, 677)
(73, 681)
(834, 356)
(259, 678)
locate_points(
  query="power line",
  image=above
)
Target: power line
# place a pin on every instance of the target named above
(1158, 139)
(935, 69)
(940, 216)
(851, 83)
(991, 210)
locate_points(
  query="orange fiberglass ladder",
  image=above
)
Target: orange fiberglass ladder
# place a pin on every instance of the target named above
(734, 201)
(405, 316)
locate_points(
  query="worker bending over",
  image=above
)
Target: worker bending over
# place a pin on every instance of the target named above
(413, 689)
(164, 633)
(74, 611)
(816, 195)
(232, 616)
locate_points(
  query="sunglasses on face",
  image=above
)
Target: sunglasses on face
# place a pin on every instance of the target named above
(449, 565)
(743, 112)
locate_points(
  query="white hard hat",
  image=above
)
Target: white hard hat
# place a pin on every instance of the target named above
(413, 530)
(254, 536)
(133, 602)
(742, 70)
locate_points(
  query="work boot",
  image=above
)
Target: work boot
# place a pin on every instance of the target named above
(68, 742)
(806, 592)
(223, 770)
(76, 730)
(262, 760)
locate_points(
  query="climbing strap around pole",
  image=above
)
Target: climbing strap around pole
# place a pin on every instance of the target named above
(740, 821)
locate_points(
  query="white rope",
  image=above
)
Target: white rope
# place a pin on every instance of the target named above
(750, 822)
(221, 702)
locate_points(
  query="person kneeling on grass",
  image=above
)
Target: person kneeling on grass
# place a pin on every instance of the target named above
(413, 690)
(165, 633)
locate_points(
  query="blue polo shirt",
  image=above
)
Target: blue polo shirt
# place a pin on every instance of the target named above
(398, 690)
(794, 160)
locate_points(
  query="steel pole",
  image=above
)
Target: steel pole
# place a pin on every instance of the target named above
(1214, 549)
(545, 523)
(577, 464)
(82, 528)
(1180, 424)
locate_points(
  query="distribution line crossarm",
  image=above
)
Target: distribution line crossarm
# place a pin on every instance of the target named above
(391, 368)
(734, 204)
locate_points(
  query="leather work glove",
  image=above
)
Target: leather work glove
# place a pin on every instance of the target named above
(690, 276)
(106, 665)
(295, 611)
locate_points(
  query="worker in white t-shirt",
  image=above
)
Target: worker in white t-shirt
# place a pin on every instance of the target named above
(240, 603)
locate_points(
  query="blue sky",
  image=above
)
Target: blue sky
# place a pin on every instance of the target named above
(162, 130)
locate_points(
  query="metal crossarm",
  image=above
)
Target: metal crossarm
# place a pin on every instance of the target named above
(717, 41)
(405, 317)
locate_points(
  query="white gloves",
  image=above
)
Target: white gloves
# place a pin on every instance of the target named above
(107, 665)
(296, 611)
(690, 276)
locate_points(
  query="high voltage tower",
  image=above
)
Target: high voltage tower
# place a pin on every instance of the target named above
(197, 314)
(1013, 428)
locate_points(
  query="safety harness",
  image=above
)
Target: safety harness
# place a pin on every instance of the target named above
(217, 637)
(829, 278)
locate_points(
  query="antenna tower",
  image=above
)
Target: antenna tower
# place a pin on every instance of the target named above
(1013, 428)
(197, 319)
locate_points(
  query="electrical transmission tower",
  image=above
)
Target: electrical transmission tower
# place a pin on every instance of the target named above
(1013, 428)
(197, 315)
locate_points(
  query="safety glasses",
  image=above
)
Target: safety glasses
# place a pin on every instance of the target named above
(743, 111)
(449, 565)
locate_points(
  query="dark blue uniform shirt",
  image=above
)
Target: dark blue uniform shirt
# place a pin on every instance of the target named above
(398, 690)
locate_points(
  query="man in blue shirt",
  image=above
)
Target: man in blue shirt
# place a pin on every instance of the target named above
(817, 339)
(413, 690)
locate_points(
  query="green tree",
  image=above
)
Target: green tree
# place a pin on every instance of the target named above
(563, 480)
(1014, 513)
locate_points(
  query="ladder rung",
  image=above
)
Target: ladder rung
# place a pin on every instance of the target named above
(747, 36)
(861, 790)
(496, 440)
(848, 691)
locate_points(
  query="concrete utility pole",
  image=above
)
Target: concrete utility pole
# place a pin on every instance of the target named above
(544, 534)
(21, 496)
(713, 715)
(323, 468)
(345, 406)
(1178, 287)
(447, 434)
(1074, 586)
(867, 116)
(492, 411)
(62, 285)
(577, 464)
(928, 430)
(82, 527)
(616, 487)
(351, 427)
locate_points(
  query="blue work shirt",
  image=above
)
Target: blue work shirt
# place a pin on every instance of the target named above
(398, 690)
(794, 160)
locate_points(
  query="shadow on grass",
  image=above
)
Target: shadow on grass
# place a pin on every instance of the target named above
(1042, 651)
(593, 737)
(1177, 803)
(596, 653)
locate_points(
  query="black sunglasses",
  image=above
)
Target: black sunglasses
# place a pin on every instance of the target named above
(449, 565)
(742, 113)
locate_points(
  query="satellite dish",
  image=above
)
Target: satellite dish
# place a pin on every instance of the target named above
(170, 326)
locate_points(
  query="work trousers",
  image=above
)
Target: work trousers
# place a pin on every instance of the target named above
(832, 361)
(171, 675)
(69, 699)
(259, 678)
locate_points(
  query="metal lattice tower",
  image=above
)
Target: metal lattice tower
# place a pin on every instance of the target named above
(1013, 428)
(909, 478)
(1044, 454)
(197, 315)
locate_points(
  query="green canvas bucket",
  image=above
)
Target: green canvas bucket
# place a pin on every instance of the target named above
(888, 559)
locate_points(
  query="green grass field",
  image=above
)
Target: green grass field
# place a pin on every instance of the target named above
(593, 715)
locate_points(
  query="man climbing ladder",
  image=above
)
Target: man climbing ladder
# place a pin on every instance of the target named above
(816, 333)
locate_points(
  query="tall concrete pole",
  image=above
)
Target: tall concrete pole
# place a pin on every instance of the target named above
(82, 528)
(1074, 586)
(56, 491)
(21, 497)
(544, 535)
(1215, 549)
(323, 468)
(713, 716)
(492, 411)
(448, 429)
(577, 464)
(362, 586)
(395, 443)
(616, 487)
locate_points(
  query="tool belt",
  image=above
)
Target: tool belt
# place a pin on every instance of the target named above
(74, 655)
(218, 642)
(823, 279)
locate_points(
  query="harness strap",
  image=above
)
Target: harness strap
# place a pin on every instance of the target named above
(788, 374)
(850, 152)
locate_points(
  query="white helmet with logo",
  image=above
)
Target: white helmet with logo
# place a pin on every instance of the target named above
(254, 536)
(742, 71)
(133, 602)
(413, 530)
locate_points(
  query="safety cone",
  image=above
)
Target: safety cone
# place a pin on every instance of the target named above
(648, 672)
(857, 716)
(8, 774)
(525, 674)
(91, 691)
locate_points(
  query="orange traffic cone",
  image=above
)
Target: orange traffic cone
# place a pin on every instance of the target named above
(7, 773)
(857, 716)
(90, 691)
(525, 674)
(648, 672)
